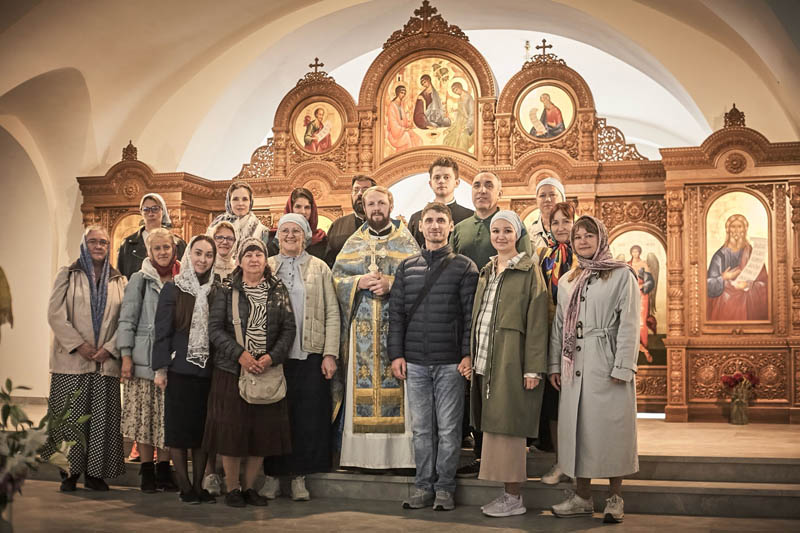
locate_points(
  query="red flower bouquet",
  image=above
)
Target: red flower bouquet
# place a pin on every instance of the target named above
(740, 384)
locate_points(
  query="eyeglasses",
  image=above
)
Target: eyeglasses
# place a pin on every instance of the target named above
(223, 238)
(98, 242)
(153, 209)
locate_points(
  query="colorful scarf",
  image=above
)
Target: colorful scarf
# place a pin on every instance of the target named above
(316, 233)
(172, 268)
(601, 261)
(556, 261)
(187, 281)
(98, 289)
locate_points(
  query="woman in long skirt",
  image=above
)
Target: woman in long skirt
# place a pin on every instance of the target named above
(312, 358)
(83, 314)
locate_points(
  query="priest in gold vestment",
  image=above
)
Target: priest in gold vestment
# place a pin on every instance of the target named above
(377, 432)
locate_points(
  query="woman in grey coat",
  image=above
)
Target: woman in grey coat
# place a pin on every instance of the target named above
(594, 344)
(143, 402)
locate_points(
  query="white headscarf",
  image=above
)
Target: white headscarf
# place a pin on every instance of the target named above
(165, 220)
(555, 183)
(186, 280)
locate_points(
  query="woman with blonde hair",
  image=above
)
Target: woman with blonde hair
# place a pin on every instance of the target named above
(143, 402)
(594, 344)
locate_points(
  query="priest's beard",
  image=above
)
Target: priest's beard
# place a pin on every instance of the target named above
(377, 221)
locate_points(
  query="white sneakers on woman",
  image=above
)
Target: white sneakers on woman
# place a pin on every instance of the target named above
(573, 506)
(272, 488)
(615, 510)
(505, 505)
(554, 476)
(299, 491)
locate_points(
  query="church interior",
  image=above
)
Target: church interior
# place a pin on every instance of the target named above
(677, 124)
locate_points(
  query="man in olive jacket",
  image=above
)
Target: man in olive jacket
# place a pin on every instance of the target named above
(430, 311)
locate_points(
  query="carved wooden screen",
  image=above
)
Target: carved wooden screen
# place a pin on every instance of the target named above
(733, 256)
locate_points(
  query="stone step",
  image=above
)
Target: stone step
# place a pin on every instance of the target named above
(682, 497)
(713, 469)
(753, 500)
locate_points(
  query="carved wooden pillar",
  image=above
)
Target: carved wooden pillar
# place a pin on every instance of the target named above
(366, 119)
(505, 123)
(586, 123)
(795, 203)
(352, 149)
(488, 147)
(676, 410)
(280, 149)
(586, 206)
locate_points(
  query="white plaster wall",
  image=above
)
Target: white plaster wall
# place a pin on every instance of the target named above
(25, 255)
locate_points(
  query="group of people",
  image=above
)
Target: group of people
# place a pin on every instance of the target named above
(392, 345)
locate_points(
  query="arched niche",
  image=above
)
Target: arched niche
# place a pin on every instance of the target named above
(426, 41)
(417, 163)
(545, 76)
(736, 247)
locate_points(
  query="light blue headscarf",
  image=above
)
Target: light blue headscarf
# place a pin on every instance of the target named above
(98, 291)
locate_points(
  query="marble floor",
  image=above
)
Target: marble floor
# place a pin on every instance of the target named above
(43, 508)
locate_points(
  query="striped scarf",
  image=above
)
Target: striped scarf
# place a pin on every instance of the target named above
(556, 261)
(98, 289)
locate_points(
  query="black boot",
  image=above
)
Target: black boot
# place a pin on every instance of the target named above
(69, 482)
(164, 479)
(148, 472)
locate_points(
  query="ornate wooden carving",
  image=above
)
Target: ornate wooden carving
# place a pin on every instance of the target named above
(130, 152)
(734, 118)
(651, 388)
(794, 200)
(611, 144)
(488, 148)
(675, 261)
(616, 212)
(424, 23)
(735, 163)
(708, 367)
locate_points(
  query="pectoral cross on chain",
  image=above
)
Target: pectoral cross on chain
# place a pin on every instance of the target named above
(373, 252)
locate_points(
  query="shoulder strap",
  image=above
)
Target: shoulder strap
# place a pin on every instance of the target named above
(237, 320)
(428, 284)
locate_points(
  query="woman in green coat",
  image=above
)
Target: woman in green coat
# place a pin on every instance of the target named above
(509, 360)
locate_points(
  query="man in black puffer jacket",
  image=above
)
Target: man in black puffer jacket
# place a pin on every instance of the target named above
(430, 315)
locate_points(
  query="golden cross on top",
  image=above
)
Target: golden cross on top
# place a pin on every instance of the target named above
(543, 47)
(426, 11)
(316, 64)
(373, 253)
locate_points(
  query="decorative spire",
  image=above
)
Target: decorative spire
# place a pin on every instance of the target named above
(544, 57)
(317, 75)
(425, 22)
(130, 153)
(734, 118)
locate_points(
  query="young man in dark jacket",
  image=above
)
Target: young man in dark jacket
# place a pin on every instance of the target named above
(430, 312)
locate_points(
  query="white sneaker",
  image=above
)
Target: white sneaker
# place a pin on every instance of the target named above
(271, 488)
(554, 476)
(573, 506)
(494, 502)
(213, 484)
(299, 491)
(614, 511)
(508, 505)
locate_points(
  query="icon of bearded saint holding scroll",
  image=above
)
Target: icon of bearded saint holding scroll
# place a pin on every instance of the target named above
(317, 138)
(737, 281)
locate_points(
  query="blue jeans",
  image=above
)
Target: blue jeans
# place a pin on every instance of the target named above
(436, 401)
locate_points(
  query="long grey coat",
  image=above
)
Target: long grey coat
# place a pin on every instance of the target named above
(596, 416)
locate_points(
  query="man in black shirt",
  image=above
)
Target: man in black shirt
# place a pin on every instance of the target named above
(343, 227)
(443, 181)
